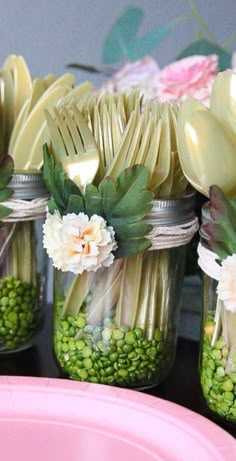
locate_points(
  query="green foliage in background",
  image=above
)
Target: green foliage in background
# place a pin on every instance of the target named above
(221, 228)
(124, 44)
(123, 41)
(205, 48)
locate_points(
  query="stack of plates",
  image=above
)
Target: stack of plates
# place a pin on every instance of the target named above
(57, 420)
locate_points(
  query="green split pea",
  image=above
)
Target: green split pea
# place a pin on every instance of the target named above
(218, 379)
(19, 313)
(109, 354)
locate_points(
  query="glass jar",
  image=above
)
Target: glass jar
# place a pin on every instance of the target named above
(22, 265)
(218, 355)
(217, 364)
(119, 325)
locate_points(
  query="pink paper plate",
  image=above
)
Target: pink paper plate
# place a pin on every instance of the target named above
(58, 420)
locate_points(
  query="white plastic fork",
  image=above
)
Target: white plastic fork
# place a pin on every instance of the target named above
(73, 144)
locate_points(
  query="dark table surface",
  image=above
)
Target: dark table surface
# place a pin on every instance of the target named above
(181, 386)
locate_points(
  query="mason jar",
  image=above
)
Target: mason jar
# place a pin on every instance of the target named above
(217, 364)
(22, 264)
(119, 325)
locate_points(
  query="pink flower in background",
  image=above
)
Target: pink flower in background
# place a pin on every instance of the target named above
(134, 74)
(188, 77)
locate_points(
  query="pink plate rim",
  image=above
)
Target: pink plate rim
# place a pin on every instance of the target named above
(36, 397)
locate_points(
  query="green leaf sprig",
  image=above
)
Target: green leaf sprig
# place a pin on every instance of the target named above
(206, 48)
(123, 41)
(6, 172)
(220, 230)
(63, 191)
(123, 203)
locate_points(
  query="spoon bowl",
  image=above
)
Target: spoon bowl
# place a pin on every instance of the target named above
(187, 163)
(212, 150)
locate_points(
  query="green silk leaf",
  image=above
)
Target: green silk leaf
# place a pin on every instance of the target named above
(123, 42)
(126, 203)
(5, 194)
(58, 184)
(142, 46)
(221, 228)
(6, 172)
(123, 203)
(203, 47)
(107, 192)
(116, 44)
(50, 172)
(4, 211)
(131, 193)
(93, 201)
(131, 247)
(132, 230)
(52, 206)
(75, 204)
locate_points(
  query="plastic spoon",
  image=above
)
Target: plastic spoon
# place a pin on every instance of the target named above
(186, 110)
(223, 98)
(212, 149)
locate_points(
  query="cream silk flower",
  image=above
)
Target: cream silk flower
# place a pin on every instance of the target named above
(76, 243)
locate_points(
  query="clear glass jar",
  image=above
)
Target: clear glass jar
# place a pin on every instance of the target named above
(217, 364)
(218, 354)
(22, 270)
(119, 325)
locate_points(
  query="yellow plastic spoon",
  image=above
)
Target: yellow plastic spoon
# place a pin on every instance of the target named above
(212, 150)
(223, 98)
(188, 108)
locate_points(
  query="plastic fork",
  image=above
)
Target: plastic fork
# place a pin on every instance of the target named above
(118, 162)
(73, 144)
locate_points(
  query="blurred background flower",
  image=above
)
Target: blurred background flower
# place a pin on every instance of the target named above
(188, 77)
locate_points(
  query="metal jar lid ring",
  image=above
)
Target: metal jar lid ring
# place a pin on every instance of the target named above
(172, 212)
(28, 186)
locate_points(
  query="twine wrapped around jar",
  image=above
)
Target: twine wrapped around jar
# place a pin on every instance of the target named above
(118, 325)
(22, 263)
(218, 339)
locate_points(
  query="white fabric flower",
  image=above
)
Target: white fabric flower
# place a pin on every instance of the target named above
(226, 288)
(138, 74)
(76, 243)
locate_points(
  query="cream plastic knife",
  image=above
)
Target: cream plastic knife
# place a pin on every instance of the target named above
(34, 122)
(8, 104)
(50, 79)
(35, 159)
(76, 93)
(66, 79)
(22, 81)
(18, 125)
(38, 89)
